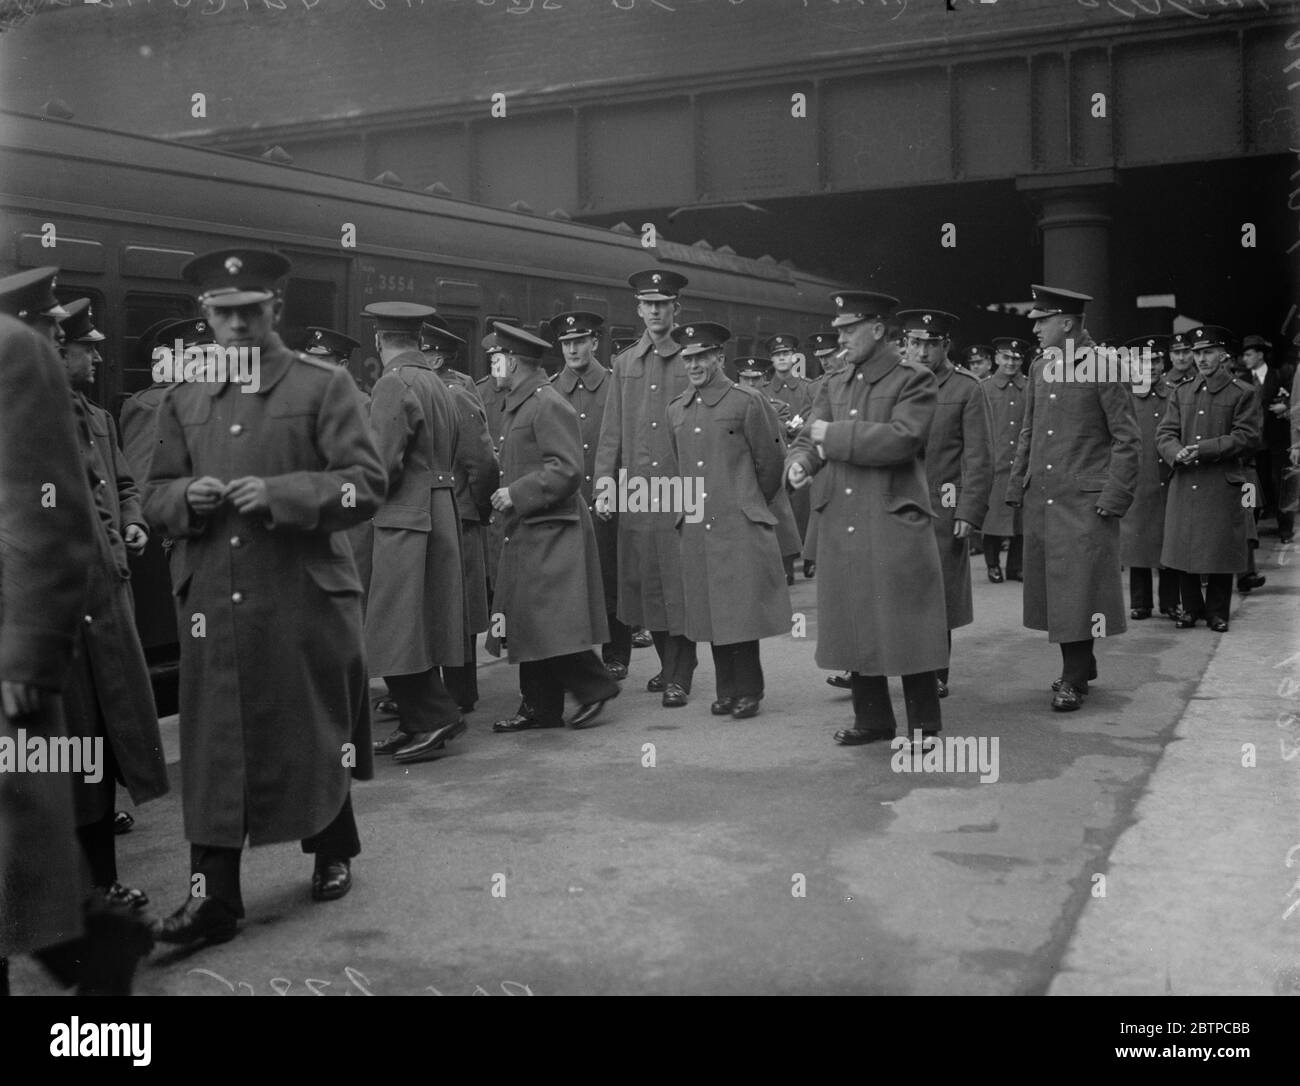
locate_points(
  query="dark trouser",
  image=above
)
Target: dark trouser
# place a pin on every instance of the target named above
(1077, 662)
(219, 865)
(1217, 601)
(1278, 462)
(1015, 552)
(618, 649)
(942, 673)
(873, 711)
(1139, 588)
(738, 670)
(1251, 568)
(462, 682)
(543, 683)
(677, 657)
(99, 846)
(423, 702)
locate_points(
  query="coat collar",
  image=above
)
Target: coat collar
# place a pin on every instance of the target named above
(590, 379)
(784, 384)
(1160, 388)
(410, 358)
(886, 361)
(1216, 382)
(515, 398)
(946, 369)
(1001, 380)
(645, 346)
(273, 361)
(711, 393)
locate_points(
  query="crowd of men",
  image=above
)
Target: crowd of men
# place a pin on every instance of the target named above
(318, 536)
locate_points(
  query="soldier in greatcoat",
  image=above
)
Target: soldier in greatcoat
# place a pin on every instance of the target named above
(46, 550)
(788, 385)
(548, 588)
(1005, 392)
(728, 448)
(585, 383)
(958, 460)
(416, 612)
(274, 713)
(1142, 530)
(880, 598)
(754, 372)
(1074, 474)
(107, 696)
(634, 439)
(1208, 434)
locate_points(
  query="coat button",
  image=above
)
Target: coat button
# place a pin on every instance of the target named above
(586, 446)
(236, 429)
(654, 388)
(654, 425)
(654, 463)
(1051, 396)
(853, 411)
(1049, 467)
(1193, 486)
(583, 415)
(859, 377)
(102, 483)
(235, 541)
(1049, 501)
(88, 620)
(506, 540)
(236, 597)
(698, 430)
(588, 478)
(850, 528)
(848, 490)
(707, 527)
(1050, 432)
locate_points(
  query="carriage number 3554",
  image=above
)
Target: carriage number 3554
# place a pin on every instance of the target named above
(395, 284)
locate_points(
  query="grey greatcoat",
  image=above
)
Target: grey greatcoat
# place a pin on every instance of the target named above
(1141, 533)
(634, 439)
(107, 691)
(1205, 528)
(275, 689)
(548, 586)
(46, 549)
(959, 467)
(1078, 451)
(477, 476)
(735, 585)
(493, 400)
(415, 614)
(1007, 398)
(880, 599)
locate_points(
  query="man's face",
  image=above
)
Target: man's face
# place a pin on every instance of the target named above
(1252, 357)
(1157, 361)
(80, 360)
(1180, 359)
(928, 352)
(1008, 363)
(860, 340)
(830, 361)
(503, 365)
(437, 359)
(782, 361)
(700, 368)
(579, 353)
(1053, 331)
(751, 380)
(657, 316)
(1209, 359)
(244, 325)
(980, 366)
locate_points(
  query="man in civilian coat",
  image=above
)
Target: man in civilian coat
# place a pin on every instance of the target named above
(1005, 392)
(474, 464)
(493, 399)
(1074, 474)
(726, 441)
(880, 598)
(416, 613)
(548, 587)
(585, 383)
(274, 710)
(107, 696)
(958, 460)
(1274, 385)
(46, 549)
(634, 438)
(1142, 530)
(796, 391)
(1207, 436)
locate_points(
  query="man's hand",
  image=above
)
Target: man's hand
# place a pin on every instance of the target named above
(20, 699)
(136, 538)
(205, 495)
(961, 529)
(818, 431)
(248, 495)
(1278, 408)
(1102, 512)
(501, 501)
(1187, 454)
(605, 507)
(797, 476)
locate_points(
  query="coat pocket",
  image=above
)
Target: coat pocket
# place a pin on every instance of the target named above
(559, 517)
(759, 514)
(335, 578)
(906, 509)
(1091, 483)
(412, 518)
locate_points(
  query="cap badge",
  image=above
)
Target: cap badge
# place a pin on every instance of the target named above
(656, 277)
(839, 301)
(570, 322)
(927, 318)
(233, 265)
(690, 331)
(200, 327)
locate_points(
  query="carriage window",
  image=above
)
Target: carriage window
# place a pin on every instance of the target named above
(469, 358)
(306, 302)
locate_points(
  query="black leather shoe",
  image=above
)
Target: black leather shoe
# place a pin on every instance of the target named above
(943, 688)
(125, 896)
(199, 919)
(122, 822)
(995, 574)
(809, 569)
(1017, 576)
(331, 879)
(1140, 613)
(586, 715)
(1218, 625)
(840, 682)
(617, 670)
(427, 745)
(523, 722)
(789, 579)
(1251, 580)
(1067, 698)
(657, 684)
(744, 708)
(722, 707)
(393, 743)
(674, 696)
(1184, 621)
(1058, 683)
(642, 639)
(854, 737)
